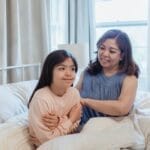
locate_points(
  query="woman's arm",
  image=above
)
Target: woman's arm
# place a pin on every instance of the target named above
(118, 107)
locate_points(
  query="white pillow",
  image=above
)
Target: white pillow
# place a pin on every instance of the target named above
(141, 96)
(10, 105)
(23, 89)
(143, 108)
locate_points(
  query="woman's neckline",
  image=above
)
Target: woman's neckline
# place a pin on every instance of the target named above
(109, 75)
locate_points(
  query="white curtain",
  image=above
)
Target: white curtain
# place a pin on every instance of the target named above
(148, 48)
(24, 37)
(30, 29)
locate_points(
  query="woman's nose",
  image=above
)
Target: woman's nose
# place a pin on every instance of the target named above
(106, 52)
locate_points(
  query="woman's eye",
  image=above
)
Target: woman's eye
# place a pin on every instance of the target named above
(112, 52)
(102, 48)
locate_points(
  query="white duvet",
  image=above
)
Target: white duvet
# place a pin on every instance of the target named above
(100, 134)
(132, 132)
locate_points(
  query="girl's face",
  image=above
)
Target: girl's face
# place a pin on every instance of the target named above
(64, 74)
(109, 55)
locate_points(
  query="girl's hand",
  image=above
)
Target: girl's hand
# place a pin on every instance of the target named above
(34, 140)
(75, 113)
(50, 120)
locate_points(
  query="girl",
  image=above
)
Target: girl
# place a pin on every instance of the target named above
(54, 95)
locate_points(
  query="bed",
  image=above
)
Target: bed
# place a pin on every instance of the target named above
(106, 133)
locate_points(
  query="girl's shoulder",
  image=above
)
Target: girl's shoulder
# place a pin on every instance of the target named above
(73, 90)
(42, 92)
(74, 94)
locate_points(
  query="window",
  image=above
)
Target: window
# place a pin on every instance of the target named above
(122, 14)
(57, 22)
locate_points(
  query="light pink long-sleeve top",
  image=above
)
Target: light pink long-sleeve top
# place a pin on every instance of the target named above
(45, 101)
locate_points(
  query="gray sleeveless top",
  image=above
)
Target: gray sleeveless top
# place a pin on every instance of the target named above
(100, 87)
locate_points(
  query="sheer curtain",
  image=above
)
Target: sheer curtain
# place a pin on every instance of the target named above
(148, 48)
(77, 23)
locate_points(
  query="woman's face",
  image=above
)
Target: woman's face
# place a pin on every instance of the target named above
(109, 55)
(64, 74)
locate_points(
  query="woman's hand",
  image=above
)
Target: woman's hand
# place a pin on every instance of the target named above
(82, 101)
(75, 113)
(50, 120)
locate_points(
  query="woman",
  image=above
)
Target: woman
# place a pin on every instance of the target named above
(108, 86)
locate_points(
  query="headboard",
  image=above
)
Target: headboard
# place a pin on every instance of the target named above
(80, 51)
(18, 73)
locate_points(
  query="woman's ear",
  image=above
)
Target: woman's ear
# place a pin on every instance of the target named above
(122, 56)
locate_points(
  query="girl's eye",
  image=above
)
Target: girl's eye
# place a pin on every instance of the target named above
(73, 68)
(61, 68)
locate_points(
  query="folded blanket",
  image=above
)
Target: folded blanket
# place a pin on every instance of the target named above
(99, 133)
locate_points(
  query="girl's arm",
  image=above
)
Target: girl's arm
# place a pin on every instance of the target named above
(118, 107)
(52, 121)
(42, 132)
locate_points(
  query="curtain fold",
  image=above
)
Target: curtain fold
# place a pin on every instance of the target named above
(24, 37)
(3, 37)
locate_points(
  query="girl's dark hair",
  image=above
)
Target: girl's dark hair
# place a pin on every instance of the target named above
(54, 58)
(127, 64)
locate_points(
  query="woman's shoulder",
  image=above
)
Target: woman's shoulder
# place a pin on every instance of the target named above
(130, 78)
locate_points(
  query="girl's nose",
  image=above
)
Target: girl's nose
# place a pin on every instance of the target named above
(68, 72)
